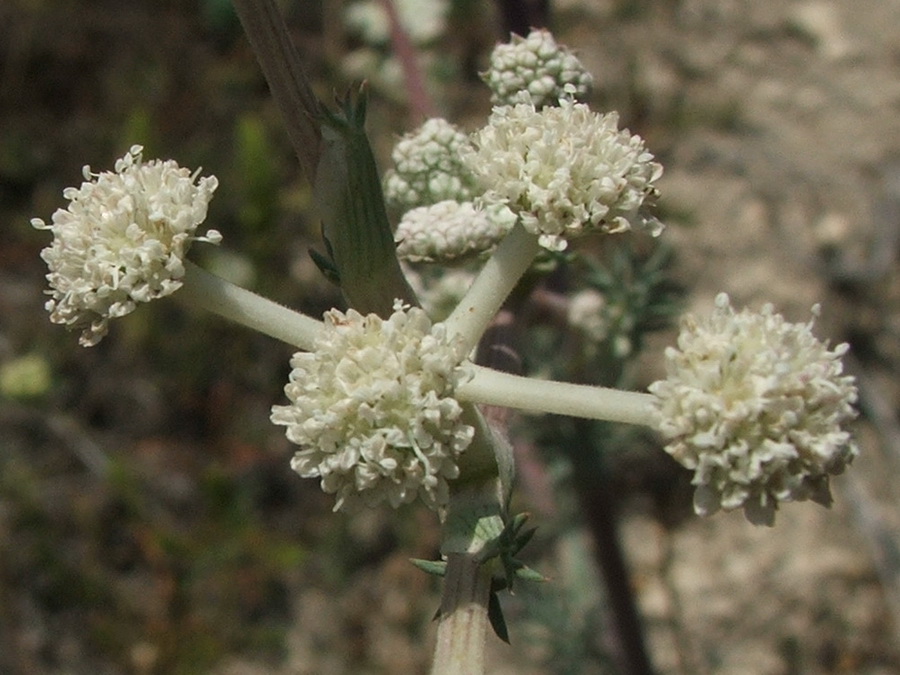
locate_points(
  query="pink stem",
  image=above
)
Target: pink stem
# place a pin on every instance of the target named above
(420, 104)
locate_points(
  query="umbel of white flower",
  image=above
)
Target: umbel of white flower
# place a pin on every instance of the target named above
(449, 231)
(428, 167)
(755, 405)
(373, 411)
(587, 313)
(535, 69)
(564, 171)
(122, 240)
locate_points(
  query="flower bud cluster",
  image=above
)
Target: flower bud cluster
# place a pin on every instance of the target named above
(449, 231)
(535, 70)
(587, 313)
(424, 20)
(428, 168)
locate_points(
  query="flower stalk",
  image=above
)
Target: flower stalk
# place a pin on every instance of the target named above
(463, 626)
(487, 386)
(472, 522)
(494, 283)
(212, 293)
(493, 387)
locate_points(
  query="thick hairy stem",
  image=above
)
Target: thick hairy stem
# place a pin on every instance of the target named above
(209, 292)
(472, 521)
(494, 282)
(464, 622)
(561, 398)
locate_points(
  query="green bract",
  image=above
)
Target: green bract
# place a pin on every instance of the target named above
(348, 197)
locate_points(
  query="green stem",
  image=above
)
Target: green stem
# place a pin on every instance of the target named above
(280, 62)
(562, 398)
(473, 519)
(463, 626)
(494, 282)
(202, 289)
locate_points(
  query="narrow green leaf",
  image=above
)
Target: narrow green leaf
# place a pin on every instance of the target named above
(495, 616)
(522, 539)
(326, 266)
(525, 573)
(517, 522)
(436, 567)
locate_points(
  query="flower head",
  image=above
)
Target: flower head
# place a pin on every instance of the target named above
(451, 230)
(428, 168)
(755, 405)
(535, 70)
(587, 313)
(373, 410)
(563, 170)
(122, 240)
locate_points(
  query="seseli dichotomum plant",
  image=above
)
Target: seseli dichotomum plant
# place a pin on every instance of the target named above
(381, 399)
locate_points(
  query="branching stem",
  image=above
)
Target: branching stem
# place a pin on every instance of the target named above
(562, 398)
(494, 282)
(462, 630)
(205, 290)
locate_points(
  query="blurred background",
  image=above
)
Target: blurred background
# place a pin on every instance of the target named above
(149, 521)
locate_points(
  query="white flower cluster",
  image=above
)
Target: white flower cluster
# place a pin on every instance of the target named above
(755, 406)
(535, 70)
(587, 313)
(373, 410)
(428, 168)
(122, 240)
(564, 170)
(450, 231)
